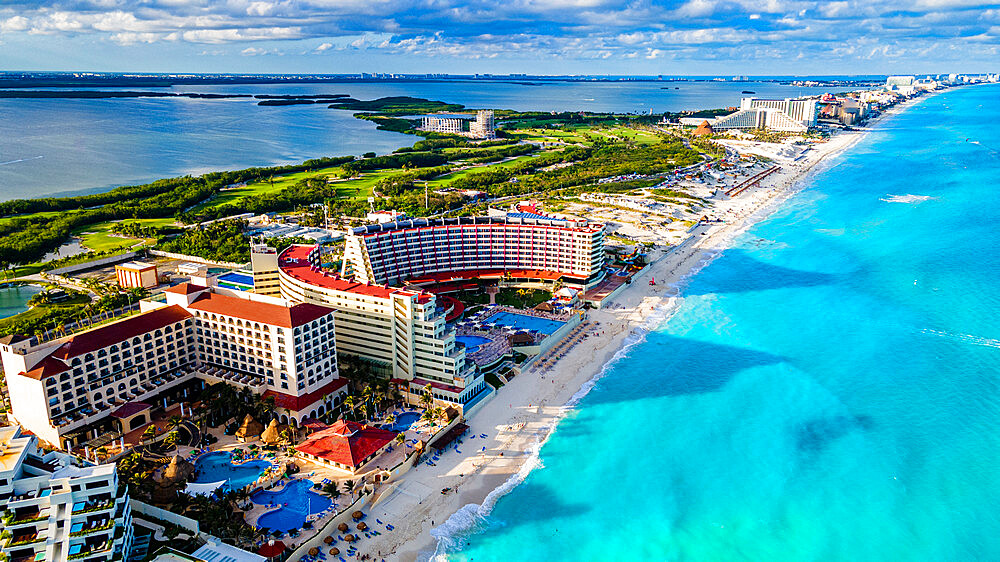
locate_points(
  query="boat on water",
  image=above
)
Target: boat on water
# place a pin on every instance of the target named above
(748, 92)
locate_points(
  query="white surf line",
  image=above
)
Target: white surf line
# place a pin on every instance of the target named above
(21, 160)
(964, 338)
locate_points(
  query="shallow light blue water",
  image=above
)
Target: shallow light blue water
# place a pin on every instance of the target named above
(298, 501)
(828, 390)
(218, 466)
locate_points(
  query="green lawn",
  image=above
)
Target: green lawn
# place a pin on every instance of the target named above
(261, 187)
(99, 238)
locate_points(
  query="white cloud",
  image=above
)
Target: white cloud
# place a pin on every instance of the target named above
(323, 47)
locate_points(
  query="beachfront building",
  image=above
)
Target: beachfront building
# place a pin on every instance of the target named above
(401, 333)
(103, 382)
(346, 445)
(54, 509)
(515, 246)
(791, 115)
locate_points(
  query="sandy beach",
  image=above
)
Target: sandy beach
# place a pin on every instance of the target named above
(525, 411)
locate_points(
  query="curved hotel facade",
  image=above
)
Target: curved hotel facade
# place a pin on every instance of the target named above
(430, 250)
(398, 330)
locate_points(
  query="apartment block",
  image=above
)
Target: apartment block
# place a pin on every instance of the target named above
(55, 509)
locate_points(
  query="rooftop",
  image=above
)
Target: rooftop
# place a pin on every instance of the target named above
(509, 220)
(256, 311)
(346, 442)
(103, 336)
(294, 262)
(298, 403)
(136, 265)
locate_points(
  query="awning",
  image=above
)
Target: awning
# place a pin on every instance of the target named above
(198, 489)
(447, 438)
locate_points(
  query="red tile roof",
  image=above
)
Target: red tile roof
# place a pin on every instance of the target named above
(49, 367)
(129, 409)
(133, 326)
(255, 311)
(294, 263)
(298, 403)
(346, 442)
(184, 289)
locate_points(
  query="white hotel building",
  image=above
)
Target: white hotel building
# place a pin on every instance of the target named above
(106, 380)
(543, 249)
(54, 510)
(400, 332)
(793, 115)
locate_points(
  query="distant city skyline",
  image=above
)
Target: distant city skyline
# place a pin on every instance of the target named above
(561, 37)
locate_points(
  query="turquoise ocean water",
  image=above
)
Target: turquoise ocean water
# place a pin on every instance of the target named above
(827, 390)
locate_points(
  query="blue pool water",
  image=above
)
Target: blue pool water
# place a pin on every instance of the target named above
(297, 500)
(525, 322)
(234, 280)
(472, 343)
(403, 421)
(217, 466)
(828, 390)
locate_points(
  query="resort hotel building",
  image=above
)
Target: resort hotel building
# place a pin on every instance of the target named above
(399, 332)
(55, 509)
(101, 383)
(516, 246)
(793, 115)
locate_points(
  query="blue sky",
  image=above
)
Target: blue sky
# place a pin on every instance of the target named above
(774, 37)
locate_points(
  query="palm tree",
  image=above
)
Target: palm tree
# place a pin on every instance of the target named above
(427, 396)
(350, 404)
(174, 422)
(101, 452)
(400, 439)
(349, 485)
(390, 419)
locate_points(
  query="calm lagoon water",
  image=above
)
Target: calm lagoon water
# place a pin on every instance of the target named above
(14, 300)
(66, 146)
(828, 390)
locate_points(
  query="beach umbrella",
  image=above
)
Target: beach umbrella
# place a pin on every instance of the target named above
(349, 538)
(362, 526)
(357, 515)
(334, 551)
(328, 540)
(313, 551)
(342, 527)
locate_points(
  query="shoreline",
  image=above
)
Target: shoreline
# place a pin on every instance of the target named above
(428, 523)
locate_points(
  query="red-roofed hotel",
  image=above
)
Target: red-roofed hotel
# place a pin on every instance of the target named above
(64, 390)
(402, 333)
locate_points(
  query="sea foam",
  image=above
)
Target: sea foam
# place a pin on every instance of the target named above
(908, 198)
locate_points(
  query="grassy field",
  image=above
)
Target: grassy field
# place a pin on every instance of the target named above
(262, 187)
(578, 134)
(98, 237)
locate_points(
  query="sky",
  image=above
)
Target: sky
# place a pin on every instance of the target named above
(648, 37)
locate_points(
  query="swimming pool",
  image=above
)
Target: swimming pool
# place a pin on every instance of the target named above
(218, 466)
(472, 343)
(236, 280)
(403, 421)
(298, 501)
(525, 322)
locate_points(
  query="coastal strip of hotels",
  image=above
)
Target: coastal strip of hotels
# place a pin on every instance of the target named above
(282, 329)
